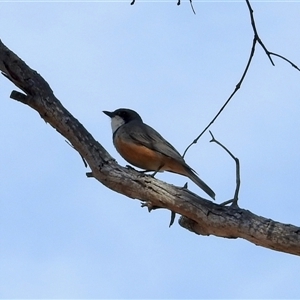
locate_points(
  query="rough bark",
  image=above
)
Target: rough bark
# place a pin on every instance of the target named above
(199, 215)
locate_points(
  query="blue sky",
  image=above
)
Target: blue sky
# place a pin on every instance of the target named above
(66, 236)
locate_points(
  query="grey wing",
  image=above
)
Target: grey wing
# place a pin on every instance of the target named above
(150, 138)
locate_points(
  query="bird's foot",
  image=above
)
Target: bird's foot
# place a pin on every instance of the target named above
(233, 202)
(131, 168)
(140, 171)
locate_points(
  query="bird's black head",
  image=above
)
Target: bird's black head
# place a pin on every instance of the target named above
(122, 116)
(125, 114)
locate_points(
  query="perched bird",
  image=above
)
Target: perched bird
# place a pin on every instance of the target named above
(145, 148)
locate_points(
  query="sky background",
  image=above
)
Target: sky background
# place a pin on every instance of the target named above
(63, 235)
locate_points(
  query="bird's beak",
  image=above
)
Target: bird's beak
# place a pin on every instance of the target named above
(108, 113)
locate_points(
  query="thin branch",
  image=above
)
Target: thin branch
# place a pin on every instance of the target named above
(235, 198)
(284, 58)
(178, 3)
(256, 36)
(256, 39)
(191, 3)
(237, 87)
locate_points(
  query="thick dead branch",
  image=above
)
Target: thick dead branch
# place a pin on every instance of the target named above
(199, 215)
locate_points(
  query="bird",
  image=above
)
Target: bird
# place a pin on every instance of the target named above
(143, 147)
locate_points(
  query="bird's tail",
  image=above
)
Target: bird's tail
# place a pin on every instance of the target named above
(200, 183)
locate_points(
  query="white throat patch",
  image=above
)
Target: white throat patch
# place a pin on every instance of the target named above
(116, 122)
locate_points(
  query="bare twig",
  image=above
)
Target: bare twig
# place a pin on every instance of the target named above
(256, 36)
(191, 3)
(237, 174)
(237, 87)
(178, 3)
(284, 58)
(256, 39)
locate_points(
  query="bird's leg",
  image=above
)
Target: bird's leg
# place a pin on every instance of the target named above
(145, 171)
(140, 171)
(154, 173)
(130, 167)
(232, 202)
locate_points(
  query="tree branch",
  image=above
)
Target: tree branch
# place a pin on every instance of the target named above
(198, 214)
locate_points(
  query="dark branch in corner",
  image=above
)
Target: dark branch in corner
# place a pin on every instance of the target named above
(178, 3)
(191, 3)
(256, 39)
